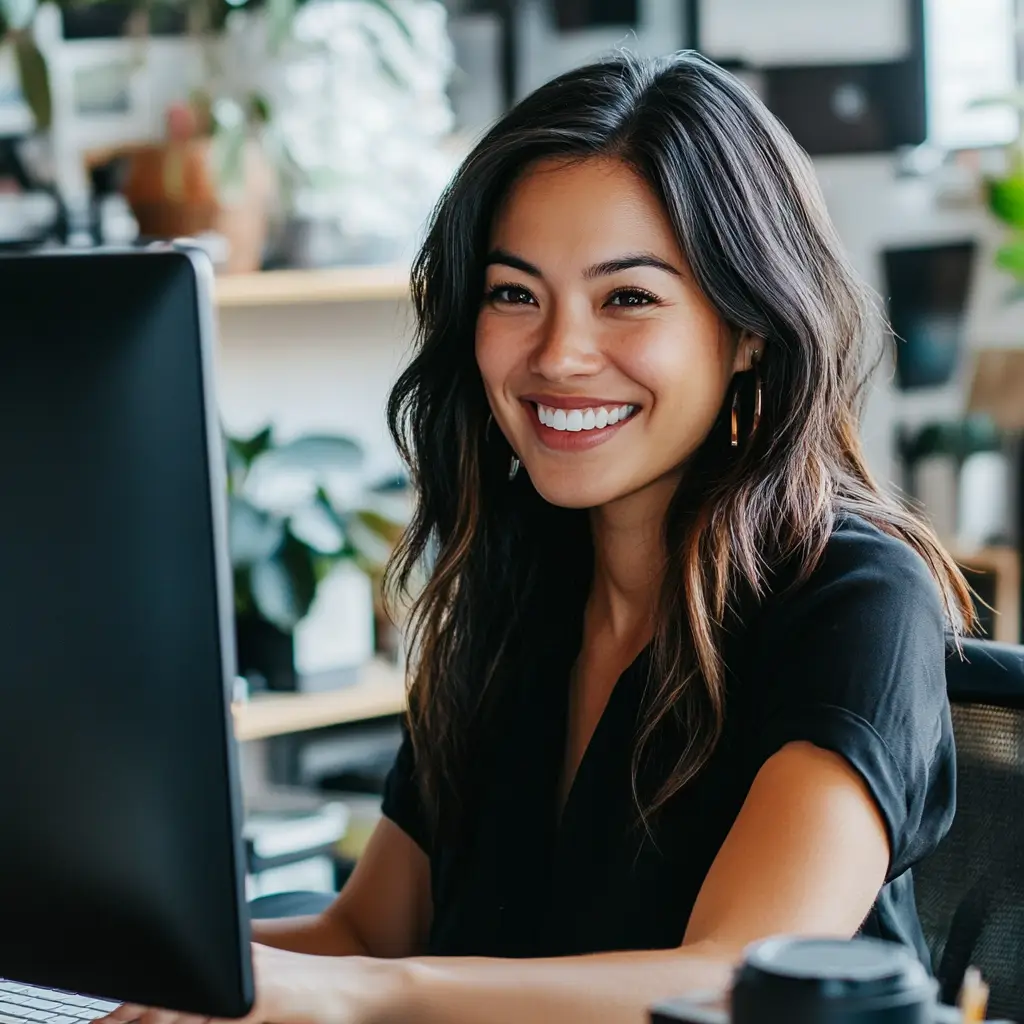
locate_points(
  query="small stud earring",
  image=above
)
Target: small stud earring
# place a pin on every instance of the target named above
(513, 467)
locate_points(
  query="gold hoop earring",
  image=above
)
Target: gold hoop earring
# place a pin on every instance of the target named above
(513, 467)
(735, 416)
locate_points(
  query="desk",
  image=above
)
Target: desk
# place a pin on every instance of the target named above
(378, 693)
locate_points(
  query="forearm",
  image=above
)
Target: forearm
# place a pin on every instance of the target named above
(605, 988)
(320, 935)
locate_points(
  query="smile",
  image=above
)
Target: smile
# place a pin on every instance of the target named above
(573, 420)
(576, 424)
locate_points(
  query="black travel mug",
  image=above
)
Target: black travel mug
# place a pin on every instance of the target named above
(832, 981)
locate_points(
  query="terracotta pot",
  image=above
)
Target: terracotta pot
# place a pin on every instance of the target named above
(172, 191)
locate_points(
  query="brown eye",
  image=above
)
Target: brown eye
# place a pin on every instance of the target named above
(632, 298)
(509, 295)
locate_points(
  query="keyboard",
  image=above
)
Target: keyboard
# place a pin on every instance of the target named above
(27, 1004)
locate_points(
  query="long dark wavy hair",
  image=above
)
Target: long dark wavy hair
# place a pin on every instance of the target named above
(749, 217)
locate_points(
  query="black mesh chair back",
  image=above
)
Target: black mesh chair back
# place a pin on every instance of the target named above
(970, 892)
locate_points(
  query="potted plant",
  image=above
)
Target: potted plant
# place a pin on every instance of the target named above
(289, 527)
(223, 161)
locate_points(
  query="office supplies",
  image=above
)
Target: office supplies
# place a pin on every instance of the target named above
(973, 997)
(121, 863)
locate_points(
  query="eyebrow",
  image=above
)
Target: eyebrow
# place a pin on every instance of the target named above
(502, 257)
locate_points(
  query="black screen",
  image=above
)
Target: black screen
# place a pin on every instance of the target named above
(119, 861)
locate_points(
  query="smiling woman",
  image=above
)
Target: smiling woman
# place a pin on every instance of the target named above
(592, 324)
(677, 675)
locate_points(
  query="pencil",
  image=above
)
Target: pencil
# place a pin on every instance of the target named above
(973, 997)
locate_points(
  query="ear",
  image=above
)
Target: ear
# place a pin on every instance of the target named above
(748, 351)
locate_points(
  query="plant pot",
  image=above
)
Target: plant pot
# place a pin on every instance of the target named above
(173, 192)
(265, 653)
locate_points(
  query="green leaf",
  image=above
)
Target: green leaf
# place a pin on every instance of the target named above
(247, 449)
(274, 594)
(373, 537)
(280, 16)
(259, 108)
(1011, 258)
(283, 587)
(390, 71)
(313, 453)
(228, 154)
(393, 14)
(1006, 199)
(34, 80)
(253, 535)
(317, 526)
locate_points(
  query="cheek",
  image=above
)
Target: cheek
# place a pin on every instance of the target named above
(498, 348)
(488, 352)
(685, 367)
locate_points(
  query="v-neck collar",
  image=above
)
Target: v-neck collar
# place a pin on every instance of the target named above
(618, 714)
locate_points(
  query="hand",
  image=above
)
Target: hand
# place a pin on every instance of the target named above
(296, 988)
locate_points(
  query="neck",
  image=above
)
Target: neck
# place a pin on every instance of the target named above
(629, 560)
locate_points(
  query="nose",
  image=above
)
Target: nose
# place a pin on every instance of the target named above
(567, 346)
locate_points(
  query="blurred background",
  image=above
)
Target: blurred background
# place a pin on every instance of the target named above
(302, 143)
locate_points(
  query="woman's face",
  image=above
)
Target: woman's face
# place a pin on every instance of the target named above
(603, 363)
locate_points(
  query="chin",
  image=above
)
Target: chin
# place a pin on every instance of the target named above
(565, 492)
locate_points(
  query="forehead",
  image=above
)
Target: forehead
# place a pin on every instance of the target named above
(598, 206)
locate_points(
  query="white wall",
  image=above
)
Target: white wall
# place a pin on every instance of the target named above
(321, 367)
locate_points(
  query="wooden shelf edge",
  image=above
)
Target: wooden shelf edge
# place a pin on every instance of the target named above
(990, 558)
(379, 692)
(298, 287)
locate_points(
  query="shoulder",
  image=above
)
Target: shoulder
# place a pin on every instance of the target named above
(852, 659)
(863, 567)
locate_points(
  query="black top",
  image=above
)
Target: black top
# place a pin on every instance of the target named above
(852, 660)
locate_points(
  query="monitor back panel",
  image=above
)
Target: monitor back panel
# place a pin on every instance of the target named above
(119, 858)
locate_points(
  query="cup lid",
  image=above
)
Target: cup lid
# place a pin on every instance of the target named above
(785, 974)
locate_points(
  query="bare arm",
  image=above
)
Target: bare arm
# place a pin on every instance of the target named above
(383, 911)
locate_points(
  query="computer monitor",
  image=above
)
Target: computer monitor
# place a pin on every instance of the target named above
(121, 865)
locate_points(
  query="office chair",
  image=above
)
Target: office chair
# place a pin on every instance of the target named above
(970, 892)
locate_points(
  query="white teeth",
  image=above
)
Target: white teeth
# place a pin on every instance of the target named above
(575, 420)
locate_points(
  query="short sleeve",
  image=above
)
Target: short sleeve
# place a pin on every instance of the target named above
(854, 662)
(402, 801)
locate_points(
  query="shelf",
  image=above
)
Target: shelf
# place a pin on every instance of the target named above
(298, 287)
(380, 692)
(1001, 566)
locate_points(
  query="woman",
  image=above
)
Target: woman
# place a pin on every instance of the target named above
(678, 679)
